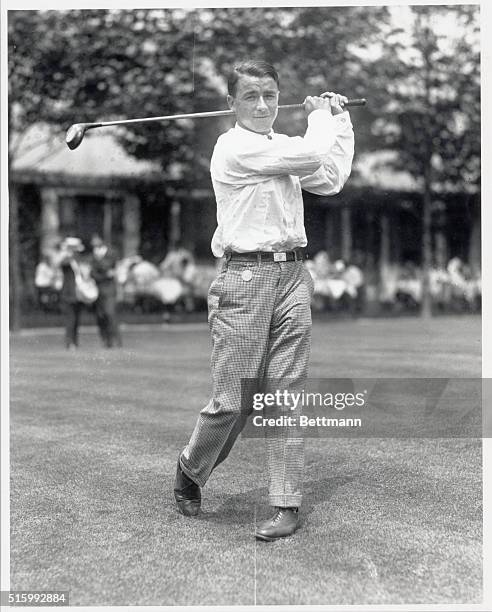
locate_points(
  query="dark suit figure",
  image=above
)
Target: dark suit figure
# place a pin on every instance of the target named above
(103, 264)
(71, 307)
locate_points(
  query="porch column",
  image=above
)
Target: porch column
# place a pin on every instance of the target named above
(384, 259)
(175, 225)
(440, 255)
(108, 221)
(328, 237)
(67, 210)
(332, 233)
(346, 233)
(384, 251)
(131, 225)
(50, 218)
(441, 250)
(475, 244)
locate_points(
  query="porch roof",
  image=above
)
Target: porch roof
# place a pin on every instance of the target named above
(43, 156)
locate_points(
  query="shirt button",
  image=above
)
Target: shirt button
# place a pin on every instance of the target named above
(269, 137)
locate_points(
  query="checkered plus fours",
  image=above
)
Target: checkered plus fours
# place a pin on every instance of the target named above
(260, 321)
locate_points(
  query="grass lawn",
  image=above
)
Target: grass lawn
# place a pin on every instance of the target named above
(94, 439)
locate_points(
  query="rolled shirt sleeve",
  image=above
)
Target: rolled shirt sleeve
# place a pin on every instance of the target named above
(260, 159)
(335, 169)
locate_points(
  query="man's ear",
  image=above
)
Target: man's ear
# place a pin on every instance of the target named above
(230, 101)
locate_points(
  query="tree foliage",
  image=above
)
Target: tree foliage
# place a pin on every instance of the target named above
(90, 65)
(420, 72)
(422, 79)
(431, 116)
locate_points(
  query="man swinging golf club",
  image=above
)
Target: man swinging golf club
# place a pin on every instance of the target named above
(259, 304)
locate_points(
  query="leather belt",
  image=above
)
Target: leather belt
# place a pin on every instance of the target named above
(296, 255)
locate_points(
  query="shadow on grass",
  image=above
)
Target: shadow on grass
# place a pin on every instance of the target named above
(239, 509)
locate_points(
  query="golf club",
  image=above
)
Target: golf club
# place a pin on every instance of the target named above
(76, 132)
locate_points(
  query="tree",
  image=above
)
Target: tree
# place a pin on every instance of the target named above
(432, 114)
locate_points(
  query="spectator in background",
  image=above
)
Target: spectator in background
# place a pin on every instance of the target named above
(136, 279)
(354, 279)
(457, 283)
(320, 269)
(340, 292)
(409, 286)
(180, 264)
(471, 289)
(321, 265)
(103, 271)
(48, 281)
(65, 258)
(439, 286)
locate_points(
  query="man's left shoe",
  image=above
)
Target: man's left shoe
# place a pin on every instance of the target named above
(186, 493)
(282, 524)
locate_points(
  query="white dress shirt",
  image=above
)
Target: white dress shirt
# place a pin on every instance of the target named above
(257, 180)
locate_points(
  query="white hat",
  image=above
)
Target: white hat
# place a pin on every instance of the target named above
(75, 244)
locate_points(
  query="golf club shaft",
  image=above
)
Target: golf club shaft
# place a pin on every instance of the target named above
(222, 113)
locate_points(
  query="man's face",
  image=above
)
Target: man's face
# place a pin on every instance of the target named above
(255, 103)
(96, 242)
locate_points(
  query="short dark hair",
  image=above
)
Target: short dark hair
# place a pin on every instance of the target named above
(256, 68)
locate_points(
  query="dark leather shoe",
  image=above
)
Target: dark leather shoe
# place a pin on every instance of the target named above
(282, 524)
(186, 493)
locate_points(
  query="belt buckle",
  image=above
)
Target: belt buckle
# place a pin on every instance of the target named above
(280, 257)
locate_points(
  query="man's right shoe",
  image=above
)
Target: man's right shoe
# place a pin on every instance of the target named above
(282, 524)
(186, 493)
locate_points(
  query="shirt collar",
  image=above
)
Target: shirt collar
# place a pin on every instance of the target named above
(242, 130)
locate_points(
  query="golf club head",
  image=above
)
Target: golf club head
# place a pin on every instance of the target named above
(75, 134)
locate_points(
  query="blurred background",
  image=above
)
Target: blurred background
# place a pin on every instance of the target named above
(402, 237)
